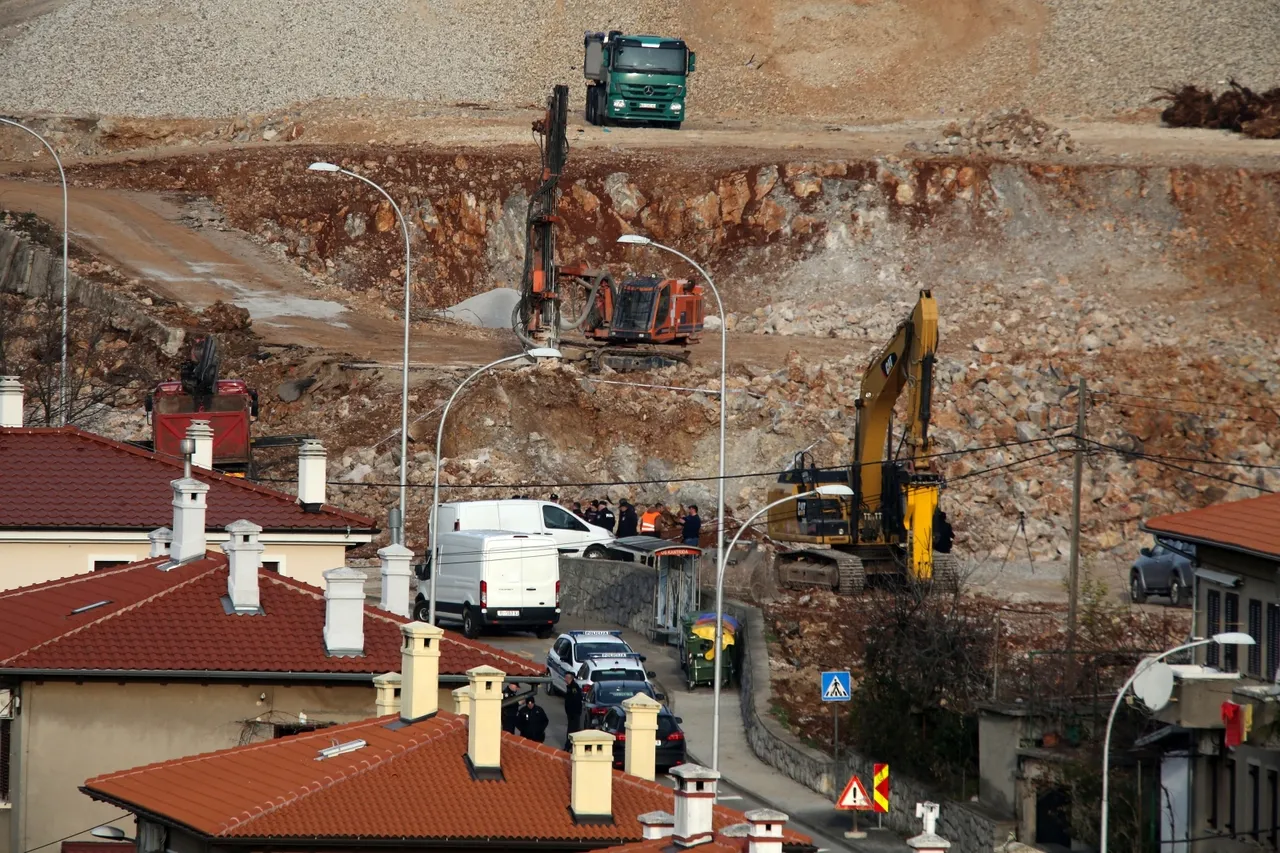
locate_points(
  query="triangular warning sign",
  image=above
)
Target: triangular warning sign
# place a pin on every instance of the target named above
(835, 690)
(855, 797)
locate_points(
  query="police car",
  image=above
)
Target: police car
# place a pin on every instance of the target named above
(581, 652)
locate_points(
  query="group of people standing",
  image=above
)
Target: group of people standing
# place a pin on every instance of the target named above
(651, 521)
(528, 719)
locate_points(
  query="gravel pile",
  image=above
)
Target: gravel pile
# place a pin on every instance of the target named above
(230, 57)
(1007, 132)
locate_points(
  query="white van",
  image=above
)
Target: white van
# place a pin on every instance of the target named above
(572, 536)
(495, 577)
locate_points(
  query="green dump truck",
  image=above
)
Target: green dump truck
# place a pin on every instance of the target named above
(636, 79)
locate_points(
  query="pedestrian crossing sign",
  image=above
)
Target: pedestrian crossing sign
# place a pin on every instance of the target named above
(835, 687)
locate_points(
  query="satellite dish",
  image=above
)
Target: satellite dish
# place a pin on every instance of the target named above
(1154, 684)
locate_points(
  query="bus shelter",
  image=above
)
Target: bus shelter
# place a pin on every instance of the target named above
(676, 587)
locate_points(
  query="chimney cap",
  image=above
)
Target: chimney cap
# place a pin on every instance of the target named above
(387, 678)
(765, 816)
(482, 671)
(641, 701)
(243, 525)
(657, 819)
(394, 550)
(694, 772)
(342, 573)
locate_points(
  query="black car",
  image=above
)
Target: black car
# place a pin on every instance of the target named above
(670, 746)
(1165, 569)
(599, 696)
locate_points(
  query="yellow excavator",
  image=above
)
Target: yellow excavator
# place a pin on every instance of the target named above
(893, 524)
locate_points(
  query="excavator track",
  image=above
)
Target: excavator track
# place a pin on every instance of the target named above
(636, 358)
(834, 570)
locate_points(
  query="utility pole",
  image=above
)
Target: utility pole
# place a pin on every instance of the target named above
(1074, 572)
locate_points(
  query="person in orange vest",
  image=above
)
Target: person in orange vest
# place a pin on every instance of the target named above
(649, 520)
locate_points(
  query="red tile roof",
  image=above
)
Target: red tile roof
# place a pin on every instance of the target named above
(719, 844)
(1251, 525)
(407, 783)
(65, 477)
(174, 620)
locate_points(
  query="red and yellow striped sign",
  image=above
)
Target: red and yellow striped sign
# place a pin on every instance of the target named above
(880, 789)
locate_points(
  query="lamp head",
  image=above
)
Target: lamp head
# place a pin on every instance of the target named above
(634, 240)
(323, 167)
(115, 833)
(834, 490)
(1234, 638)
(543, 352)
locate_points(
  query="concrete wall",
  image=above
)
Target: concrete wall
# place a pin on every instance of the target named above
(68, 732)
(610, 591)
(25, 563)
(999, 736)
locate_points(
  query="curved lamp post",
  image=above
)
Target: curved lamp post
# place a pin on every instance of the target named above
(1230, 638)
(536, 353)
(637, 240)
(62, 374)
(833, 490)
(398, 527)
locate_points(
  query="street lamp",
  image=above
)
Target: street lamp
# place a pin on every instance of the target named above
(1230, 638)
(62, 375)
(535, 353)
(398, 526)
(637, 240)
(111, 833)
(829, 491)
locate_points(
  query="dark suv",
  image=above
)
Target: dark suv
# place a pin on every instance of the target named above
(599, 696)
(670, 746)
(1165, 569)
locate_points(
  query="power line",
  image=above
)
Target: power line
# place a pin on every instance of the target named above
(1197, 401)
(1161, 461)
(986, 471)
(1215, 416)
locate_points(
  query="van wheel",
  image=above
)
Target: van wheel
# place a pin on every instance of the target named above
(422, 612)
(542, 632)
(595, 552)
(470, 623)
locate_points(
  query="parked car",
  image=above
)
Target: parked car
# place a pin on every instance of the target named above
(493, 577)
(574, 648)
(572, 536)
(1166, 569)
(599, 696)
(670, 745)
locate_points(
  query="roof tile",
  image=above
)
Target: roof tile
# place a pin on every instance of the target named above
(174, 621)
(121, 487)
(406, 783)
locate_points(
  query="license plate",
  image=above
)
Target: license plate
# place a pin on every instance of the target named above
(508, 612)
(648, 106)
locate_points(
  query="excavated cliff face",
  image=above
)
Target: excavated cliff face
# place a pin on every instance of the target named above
(1155, 283)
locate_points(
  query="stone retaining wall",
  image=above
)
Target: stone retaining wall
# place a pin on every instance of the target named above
(32, 270)
(609, 591)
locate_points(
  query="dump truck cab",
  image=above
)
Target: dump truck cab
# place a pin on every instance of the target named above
(636, 79)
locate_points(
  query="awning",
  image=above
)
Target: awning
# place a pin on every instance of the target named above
(650, 546)
(1218, 577)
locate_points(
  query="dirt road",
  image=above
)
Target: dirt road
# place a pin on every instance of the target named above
(143, 235)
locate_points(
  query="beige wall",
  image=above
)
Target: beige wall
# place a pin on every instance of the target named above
(25, 563)
(67, 733)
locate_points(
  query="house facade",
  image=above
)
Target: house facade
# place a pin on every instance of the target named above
(1220, 755)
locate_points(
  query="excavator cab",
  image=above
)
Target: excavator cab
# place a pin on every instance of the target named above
(655, 310)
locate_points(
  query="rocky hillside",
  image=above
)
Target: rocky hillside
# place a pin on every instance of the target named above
(869, 59)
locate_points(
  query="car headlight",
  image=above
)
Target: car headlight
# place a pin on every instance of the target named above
(675, 108)
(619, 104)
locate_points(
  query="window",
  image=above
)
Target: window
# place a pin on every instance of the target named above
(1231, 620)
(1273, 642)
(4, 759)
(287, 729)
(562, 650)
(557, 519)
(1229, 824)
(1256, 794)
(103, 565)
(271, 565)
(1215, 788)
(1273, 794)
(1213, 608)
(1255, 630)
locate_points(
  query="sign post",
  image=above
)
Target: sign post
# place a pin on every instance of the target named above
(836, 687)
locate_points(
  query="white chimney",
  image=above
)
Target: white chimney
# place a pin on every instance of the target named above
(160, 538)
(244, 559)
(419, 671)
(591, 783)
(344, 612)
(387, 689)
(201, 432)
(462, 701)
(395, 579)
(311, 474)
(484, 723)
(654, 825)
(188, 520)
(642, 735)
(10, 401)
(928, 841)
(765, 835)
(695, 796)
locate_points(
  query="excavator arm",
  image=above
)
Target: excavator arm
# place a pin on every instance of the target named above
(897, 489)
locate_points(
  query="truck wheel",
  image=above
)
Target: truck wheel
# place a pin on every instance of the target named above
(675, 125)
(1136, 593)
(590, 110)
(602, 107)
(470, 623)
